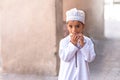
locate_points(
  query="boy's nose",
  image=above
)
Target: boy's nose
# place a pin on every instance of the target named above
(74, 30)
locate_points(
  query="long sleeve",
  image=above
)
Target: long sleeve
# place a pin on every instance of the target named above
(88, 51)
(67, 50)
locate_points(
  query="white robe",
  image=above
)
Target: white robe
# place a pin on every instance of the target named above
(68, 69)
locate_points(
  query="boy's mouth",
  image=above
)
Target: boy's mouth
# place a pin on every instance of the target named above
(75, 33)
(71, 34)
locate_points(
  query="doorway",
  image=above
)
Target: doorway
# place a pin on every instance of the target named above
(112, 19)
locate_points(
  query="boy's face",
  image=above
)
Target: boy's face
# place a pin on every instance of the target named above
(75, 27)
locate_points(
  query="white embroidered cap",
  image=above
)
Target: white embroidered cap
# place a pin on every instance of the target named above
(74, 14)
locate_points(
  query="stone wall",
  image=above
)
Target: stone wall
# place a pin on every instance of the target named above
(28, 36)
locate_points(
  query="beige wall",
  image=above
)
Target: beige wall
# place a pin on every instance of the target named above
(94, 14)
(28, 36)
(0, 33)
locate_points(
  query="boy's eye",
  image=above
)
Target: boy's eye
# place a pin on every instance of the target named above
(77, 26)
(70, 26)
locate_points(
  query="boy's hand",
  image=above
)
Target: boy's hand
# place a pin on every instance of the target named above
(74, 38)
(81, 40)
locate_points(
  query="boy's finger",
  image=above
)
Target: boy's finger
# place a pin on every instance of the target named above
(80, 34)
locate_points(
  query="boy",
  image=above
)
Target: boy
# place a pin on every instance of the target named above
(75, 50)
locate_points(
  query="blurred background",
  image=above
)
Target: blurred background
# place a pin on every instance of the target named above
(30, 31)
